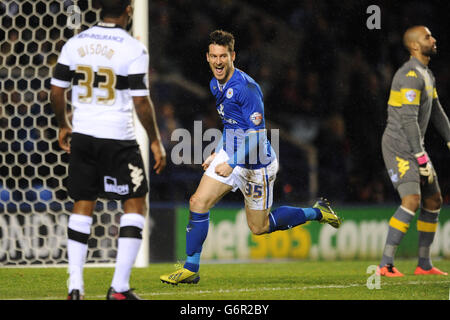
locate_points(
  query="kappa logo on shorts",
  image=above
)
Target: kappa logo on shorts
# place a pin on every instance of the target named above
(137, 176)
(111, 186)
(403, 166)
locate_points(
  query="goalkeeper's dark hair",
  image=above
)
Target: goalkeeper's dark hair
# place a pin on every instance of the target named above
(222, 38)
(113, 8)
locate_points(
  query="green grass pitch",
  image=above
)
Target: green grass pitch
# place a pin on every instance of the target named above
(268, 280)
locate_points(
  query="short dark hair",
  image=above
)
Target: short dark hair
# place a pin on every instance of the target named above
(222, 38)
(113, 8)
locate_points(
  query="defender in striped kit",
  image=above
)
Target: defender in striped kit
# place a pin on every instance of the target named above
(107, 71)
(412, 104)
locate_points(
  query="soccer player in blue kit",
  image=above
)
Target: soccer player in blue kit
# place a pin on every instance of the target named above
(244, 159)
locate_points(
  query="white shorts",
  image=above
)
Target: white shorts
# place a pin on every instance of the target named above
(255, 184)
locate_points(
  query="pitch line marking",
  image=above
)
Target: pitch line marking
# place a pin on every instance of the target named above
(330, 286)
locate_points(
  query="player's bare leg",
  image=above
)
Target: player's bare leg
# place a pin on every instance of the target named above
(411, 202)
(257, 220)
(84, 207)
(135, 205)
(208, 193)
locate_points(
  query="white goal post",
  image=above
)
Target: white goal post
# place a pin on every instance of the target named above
(34, 206)
(140, 31)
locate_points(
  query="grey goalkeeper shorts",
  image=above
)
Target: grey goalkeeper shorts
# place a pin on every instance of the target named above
(403, 169)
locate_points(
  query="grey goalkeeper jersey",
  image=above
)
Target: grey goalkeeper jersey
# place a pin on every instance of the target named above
(413, 102)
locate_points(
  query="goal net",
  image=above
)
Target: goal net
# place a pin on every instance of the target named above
(34, 205)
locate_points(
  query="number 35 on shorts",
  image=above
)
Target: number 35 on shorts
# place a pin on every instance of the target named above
(253, 190)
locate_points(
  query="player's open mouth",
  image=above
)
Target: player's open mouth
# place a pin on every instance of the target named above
(219, 70)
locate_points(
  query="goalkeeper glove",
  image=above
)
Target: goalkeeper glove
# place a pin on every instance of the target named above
(425, 168)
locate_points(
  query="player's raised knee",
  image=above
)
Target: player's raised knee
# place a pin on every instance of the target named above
(258, 230)
(198, 204)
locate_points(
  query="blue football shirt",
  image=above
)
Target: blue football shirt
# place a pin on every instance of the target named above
(240, 105)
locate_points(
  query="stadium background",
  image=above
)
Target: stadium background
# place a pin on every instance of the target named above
(325, 77)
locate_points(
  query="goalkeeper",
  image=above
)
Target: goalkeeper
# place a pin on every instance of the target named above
(413, 102)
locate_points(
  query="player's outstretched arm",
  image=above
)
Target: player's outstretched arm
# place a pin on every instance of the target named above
(58, 102)
(146, 114)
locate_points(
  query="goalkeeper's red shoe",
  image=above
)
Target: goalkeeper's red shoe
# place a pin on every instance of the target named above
(75, 295)
(388, 271)
(433, 270)
(126, 295)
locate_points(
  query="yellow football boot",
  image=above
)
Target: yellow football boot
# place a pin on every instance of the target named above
(181, 276)
(328, 215)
